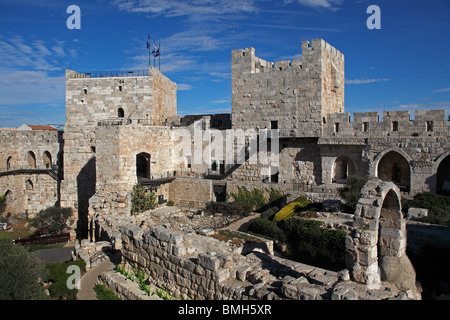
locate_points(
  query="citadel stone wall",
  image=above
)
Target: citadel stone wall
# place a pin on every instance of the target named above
(29, 165)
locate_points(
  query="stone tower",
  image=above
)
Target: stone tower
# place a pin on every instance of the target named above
(292, 96)
(94, 99)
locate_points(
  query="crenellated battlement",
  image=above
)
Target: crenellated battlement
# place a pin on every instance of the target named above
(426, 123)
(247, 61)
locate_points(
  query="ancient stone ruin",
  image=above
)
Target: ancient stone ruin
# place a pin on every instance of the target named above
(288, 130)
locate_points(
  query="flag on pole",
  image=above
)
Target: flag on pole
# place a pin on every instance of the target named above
(154, 47)
(148, 41)
(157, 51)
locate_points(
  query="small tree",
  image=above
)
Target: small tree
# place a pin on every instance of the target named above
(20, 272)
(141, 199)
(2, 204)
(52, 220)
(352, 192)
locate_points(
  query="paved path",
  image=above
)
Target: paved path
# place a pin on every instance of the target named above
(89, 280)
(55, 254)
(241, 224)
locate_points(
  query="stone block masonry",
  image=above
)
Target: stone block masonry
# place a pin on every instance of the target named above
(30, 164)
(193, 266)
(150, 99)
(294, 95)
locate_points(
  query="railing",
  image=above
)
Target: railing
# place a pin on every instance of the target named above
(109, 74)
(52, 171)
(124, 122)
(56, 238)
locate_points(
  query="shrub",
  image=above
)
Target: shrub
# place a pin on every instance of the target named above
(2, 204)
(351, 192)
(52, 220)
(252, 200)
(438, 207)
(269, 213)
(226, 208)
(274, 194)
(267, 228)
(20, 272)
(288, 211)
(141, 199)
(311, 242)
(170, 203)
(57, 274)
(104, 293)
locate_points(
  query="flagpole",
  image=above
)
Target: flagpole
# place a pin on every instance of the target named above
(148, 46)
(154, 48)
(159, 56)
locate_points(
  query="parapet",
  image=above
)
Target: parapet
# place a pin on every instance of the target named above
(426, 123)
(247, 62)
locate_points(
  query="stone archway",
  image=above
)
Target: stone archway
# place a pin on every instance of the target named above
(394, 166)
(343, 167)
(143, 165)
(376, 248)
(443, 176)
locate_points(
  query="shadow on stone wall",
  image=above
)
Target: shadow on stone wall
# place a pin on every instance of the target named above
(86, 181)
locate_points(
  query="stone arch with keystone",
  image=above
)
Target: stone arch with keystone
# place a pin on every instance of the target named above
(376, 248)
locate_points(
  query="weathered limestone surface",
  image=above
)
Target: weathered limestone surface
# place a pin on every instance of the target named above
(376, 248)
(193, 266)
(29, 149)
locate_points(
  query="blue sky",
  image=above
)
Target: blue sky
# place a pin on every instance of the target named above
(405, 65)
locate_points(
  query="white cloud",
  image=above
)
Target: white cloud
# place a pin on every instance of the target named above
(329, 4)
(221, 101)
(364, 81)
(17, 52)
(198, 8)
(184, 87)
(443, 90)
(26, 87)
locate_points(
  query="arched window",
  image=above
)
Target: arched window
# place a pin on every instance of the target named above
(47, 159)
(28, 185)
(120, 113)
(31, 160)
(8, 163)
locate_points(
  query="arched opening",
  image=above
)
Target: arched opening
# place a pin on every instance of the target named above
(47, 159)
(342, 169)
(31, 160)
(443, 177)
(28, 185)
(8, 202)
(120, 113)
(389, 227)
(8, 163)
(394, 167)
(143, 165)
